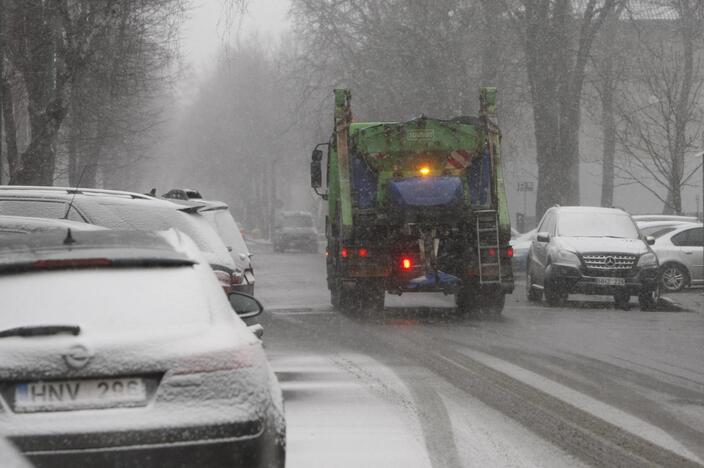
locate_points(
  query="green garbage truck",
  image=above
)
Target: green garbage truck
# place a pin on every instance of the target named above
(416, 206)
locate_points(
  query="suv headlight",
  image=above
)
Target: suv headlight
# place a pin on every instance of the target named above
(648, 259)
(565, 256)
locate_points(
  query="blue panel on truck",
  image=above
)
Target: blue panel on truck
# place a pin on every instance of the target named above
(364, 183)
(426, 191)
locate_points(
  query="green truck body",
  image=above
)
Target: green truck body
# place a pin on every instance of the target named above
(416, 206)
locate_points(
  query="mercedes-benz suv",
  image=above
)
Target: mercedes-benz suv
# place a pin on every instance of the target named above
(591, 250)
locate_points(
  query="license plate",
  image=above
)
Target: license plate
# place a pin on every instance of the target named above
(611, 281)
(79, 394)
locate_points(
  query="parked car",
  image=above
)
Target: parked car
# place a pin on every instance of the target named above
(641, 218)
(681, 255)
(658, 228)
(139, 360)
(521, 246)
(219, 217)
(183, 194)
(591, 250)
(123, 211)
(10, 225)
(295, 230)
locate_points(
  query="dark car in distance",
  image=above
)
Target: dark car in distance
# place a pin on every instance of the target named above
(591, 250)
(295, 230)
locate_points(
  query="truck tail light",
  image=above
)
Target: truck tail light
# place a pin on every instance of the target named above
(363, 252)
(343, 252)
(509, 252)
(406, 263)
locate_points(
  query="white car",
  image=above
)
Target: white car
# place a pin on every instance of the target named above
(681, 255)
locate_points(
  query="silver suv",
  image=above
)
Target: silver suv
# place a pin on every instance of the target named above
(591, 250)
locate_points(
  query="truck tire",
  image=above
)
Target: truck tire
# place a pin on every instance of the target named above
(492, 302)
(467, 302)
(370, 301)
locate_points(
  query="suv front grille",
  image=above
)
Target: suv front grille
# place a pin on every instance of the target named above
(609, 264)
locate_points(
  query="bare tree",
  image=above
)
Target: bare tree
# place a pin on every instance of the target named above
(662, 108)
(558, 38)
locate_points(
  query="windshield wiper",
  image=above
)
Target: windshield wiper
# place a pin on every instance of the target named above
(41, 330)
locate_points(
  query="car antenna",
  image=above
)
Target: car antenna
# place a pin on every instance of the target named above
(69, 238)
(75, 191)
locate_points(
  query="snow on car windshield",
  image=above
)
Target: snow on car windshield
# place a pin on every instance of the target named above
(114, 299)
(596, 225)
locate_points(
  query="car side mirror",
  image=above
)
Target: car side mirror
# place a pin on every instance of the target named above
(543, 237)
(650, 240)
(316, 174)
(245, 305)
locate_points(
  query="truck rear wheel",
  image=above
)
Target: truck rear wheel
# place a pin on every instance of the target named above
(492, 302)
(467, 302)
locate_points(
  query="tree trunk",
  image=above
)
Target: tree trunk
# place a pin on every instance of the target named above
(608, 125)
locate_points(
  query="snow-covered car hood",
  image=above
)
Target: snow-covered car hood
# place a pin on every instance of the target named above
(585, 245)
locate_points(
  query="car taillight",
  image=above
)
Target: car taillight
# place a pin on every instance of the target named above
(242, 358)
(406, 263)
(224, 278)
(236, 277)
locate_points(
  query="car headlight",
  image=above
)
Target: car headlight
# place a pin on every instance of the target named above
(565, 256)
(648, 259)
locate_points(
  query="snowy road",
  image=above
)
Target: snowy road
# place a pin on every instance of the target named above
(575, 386)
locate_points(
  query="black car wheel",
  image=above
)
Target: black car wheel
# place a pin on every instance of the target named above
(673, 277)
(621, 299)
(553, 295)
(648, 299)
(533, 294)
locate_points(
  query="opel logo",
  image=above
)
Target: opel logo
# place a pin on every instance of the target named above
(77, 357)
(609, 261)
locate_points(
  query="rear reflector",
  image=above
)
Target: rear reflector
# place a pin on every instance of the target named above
(491, 252)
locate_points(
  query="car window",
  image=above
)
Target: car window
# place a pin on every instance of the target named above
(657, 231)
(548, 223)
(227, 228)
(596, 224)
(297, 221)
(148, 217)
(689, 238)
(96, 299)
(53, 209)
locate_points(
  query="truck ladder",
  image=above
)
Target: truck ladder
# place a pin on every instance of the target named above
(488, 239)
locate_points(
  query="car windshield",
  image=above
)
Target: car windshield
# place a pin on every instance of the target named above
(97, 299)
(156, 218)
(596, 224)
(298, 221)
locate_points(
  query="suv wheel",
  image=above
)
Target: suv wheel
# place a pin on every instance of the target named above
(621, 299)
(648, 299)
(533, 294)
(673, 277)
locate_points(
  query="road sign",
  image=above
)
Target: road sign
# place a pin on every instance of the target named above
(527, 186)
